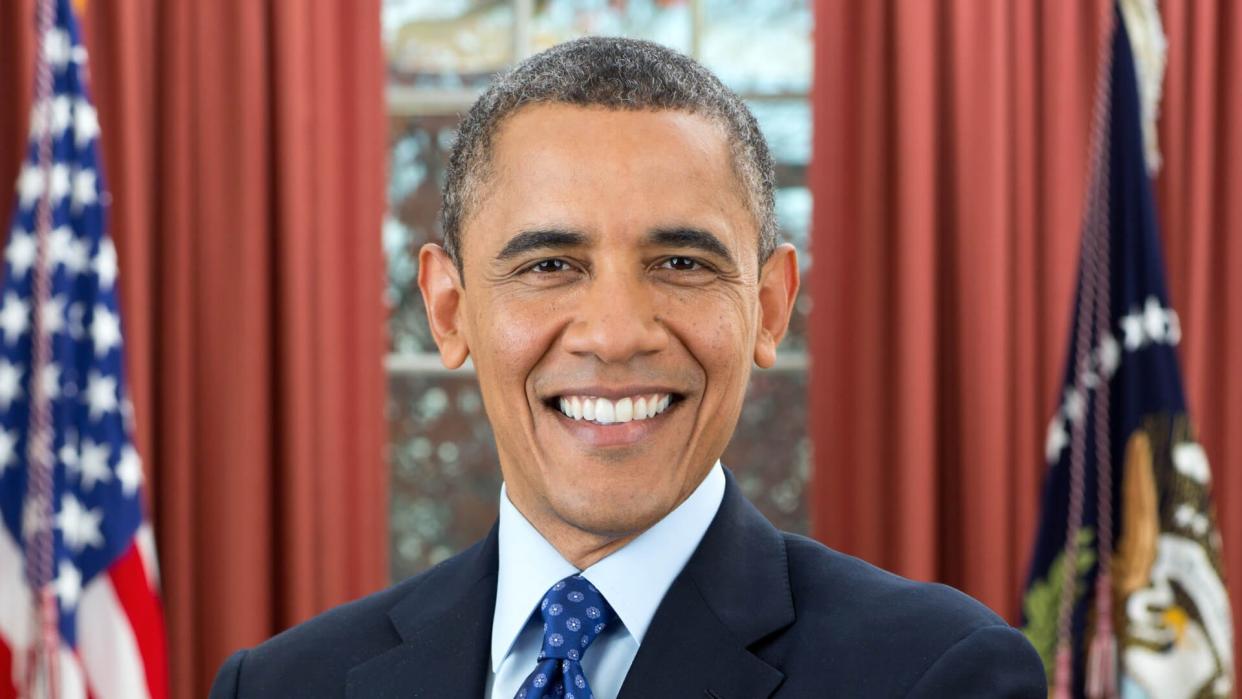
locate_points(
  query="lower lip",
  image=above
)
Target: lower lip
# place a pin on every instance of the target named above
(612, 435)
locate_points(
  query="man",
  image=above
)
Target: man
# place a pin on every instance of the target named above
(611, 266)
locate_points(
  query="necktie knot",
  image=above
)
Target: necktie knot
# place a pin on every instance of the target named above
(574, 614)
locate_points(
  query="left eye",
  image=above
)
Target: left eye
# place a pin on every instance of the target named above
(549, 266)
(683, 264)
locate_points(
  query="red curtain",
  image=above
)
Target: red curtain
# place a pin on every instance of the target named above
(949, 167)
(244, 145)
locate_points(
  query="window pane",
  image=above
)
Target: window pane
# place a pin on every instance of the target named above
(446, 43)
(664, 22)
(758, 46)
(786, 124)
(770, 453)
(445, 477)
(418, 153)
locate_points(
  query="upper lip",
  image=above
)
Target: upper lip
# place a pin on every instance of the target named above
(613, 392)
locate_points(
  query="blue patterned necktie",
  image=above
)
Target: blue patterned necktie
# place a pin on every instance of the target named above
(574, 613)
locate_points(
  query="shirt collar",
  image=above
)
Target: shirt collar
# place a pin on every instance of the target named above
(529, 565)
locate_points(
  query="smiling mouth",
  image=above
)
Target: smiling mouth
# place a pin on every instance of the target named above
(604, 411)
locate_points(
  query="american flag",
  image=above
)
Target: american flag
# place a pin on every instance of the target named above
(80, 613)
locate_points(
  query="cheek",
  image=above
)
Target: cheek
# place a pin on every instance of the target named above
(515, 336)
(508, 341)
(717, 329)
(717, 332)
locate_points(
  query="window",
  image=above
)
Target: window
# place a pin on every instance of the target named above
(441, 53)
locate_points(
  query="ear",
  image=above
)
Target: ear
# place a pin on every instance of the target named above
(778, 287)
(440, 283)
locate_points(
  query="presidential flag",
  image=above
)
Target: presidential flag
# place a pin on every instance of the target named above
(79, 608)
(1125, 595)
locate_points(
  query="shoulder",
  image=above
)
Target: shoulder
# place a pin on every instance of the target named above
(316, 653)
(314, 657)
(882, 634)
(832, 587)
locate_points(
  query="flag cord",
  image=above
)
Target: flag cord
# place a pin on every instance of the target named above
(1094, 228)
(40, 553)
(1101, 679)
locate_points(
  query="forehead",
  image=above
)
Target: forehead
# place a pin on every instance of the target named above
(598, 169)
(555, 123)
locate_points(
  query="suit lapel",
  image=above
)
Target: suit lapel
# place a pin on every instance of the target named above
(445, 624)
(733, 592)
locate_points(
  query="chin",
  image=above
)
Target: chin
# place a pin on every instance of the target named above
(611, 516)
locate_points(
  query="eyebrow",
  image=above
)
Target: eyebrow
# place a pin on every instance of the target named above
(553, 238)
(690, 238)
(540, 239)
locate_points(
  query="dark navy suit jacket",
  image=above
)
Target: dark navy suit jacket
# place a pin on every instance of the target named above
(756, 613)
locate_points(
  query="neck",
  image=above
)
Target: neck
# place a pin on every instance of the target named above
(580, 547)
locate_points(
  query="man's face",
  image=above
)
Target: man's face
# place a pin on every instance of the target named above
(610, 272)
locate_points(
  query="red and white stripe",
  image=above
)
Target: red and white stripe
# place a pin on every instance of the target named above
(121, 648)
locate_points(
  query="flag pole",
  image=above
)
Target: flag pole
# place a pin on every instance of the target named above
(43, 670)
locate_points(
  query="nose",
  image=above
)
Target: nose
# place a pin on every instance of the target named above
(616, 319)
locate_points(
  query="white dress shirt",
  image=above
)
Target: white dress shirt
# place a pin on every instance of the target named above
(633, 579)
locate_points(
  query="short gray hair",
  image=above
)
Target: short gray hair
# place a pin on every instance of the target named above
(615, 73)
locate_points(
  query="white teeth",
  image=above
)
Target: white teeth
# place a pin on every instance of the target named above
(625, 410)
(606, 412)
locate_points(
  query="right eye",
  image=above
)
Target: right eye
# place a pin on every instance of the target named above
(549, 266)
